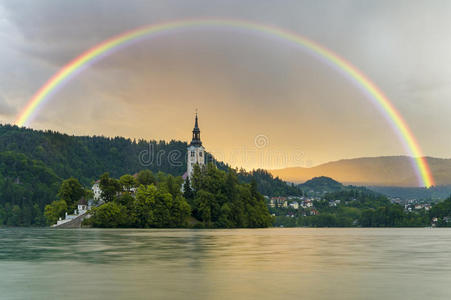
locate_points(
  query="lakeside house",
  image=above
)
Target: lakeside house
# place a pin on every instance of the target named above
(278, 202)
(294, 205)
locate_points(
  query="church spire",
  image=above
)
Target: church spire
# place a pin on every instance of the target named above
(196, 133)
(196, 125)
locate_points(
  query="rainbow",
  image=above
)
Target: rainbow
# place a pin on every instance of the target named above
(72, 68)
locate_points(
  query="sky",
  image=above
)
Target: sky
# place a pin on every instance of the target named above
(262, 102)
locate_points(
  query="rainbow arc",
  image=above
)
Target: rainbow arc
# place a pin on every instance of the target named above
(106, 47)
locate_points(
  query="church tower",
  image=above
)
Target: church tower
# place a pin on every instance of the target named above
(196, 152)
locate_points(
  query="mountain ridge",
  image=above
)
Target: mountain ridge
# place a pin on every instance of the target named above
(374, 171)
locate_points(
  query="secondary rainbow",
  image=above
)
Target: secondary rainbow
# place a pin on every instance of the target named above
(65, 73)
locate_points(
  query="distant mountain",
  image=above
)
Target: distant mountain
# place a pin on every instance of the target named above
(371, 171)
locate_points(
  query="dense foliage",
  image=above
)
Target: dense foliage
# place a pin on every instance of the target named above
(218, 199)
(32, 163)
(26, 186)
(215, 198)
(86, 158)
(357, 206)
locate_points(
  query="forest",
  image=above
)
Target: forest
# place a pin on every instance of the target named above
(33, 164)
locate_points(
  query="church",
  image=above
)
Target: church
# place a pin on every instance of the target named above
(196, 152)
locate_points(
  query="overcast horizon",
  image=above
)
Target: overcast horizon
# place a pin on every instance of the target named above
(247, 87)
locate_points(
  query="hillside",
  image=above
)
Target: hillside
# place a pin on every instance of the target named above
(323, 184)
(86, 158)
(33, 163)
(26, 186)
(374, 171)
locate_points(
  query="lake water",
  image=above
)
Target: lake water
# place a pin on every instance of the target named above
(280, 263)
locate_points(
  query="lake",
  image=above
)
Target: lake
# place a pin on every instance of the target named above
(276, 263)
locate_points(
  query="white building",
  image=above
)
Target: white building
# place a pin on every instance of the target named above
(196, 152)
(272, 203)
(307, 204)
(96, 190)
(294, 205)
(82, 208)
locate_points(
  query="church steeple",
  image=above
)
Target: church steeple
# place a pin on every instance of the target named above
(196, 134)
(195, 151)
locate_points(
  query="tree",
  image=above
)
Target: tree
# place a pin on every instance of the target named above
(203, 203)
(143, 209)
(188, 192)
(127, 182)
(180, 212)
(15, 216)
(197, 178)
(172, 185)
(54, 211)
(225, 219)
(110, 187)
(3, 216)
(71, 191)
(38, 216)
(145, 177)
(110, 215)
(162, 209)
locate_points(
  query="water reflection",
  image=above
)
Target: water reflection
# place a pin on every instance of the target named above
(219, 264)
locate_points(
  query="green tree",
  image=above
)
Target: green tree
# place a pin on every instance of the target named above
(188, 192)
(162, 209)
(3, 215)
(173, 186)
(145, 177)
(203, 203)
(38, 216)
(110, 215)
(110, 187)
(143, 210)
(225, 218)
(14, 218)
(71, 191)
(180, 212)
(54, 211)
(127, 182)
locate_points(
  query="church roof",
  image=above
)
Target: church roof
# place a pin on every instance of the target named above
(196, 134)
(82, 201)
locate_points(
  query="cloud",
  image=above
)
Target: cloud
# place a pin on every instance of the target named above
(6, 109)
(262, 83)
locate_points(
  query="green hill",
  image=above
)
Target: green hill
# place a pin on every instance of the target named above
(34, 162)
(26, 187)
(321, 184)
(86, 158)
